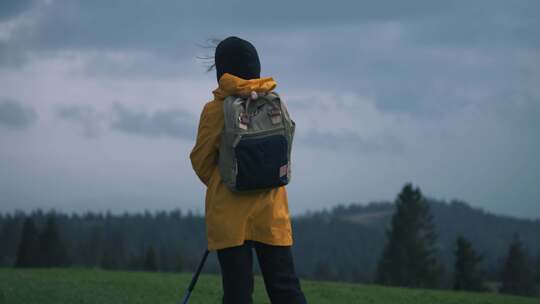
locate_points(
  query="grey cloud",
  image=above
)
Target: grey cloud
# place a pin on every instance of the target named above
(10, 56)
(16, 115)
(208, 14)
(421, 80)
(352, 142)
(136, 65)
(172, 27)
(173, 123)
(413, 74)
(12, 8)
(429, 59)
(90, 120)
(482, 25)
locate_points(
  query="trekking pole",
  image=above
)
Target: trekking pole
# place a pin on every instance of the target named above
(195, 278)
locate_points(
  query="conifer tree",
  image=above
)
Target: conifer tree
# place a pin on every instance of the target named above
(27, 252)
(52, 248)
(538, 268)
(114, 255)
(10, 237)
(150, 263)
(517, 277)
(467, 275)
(409, 256)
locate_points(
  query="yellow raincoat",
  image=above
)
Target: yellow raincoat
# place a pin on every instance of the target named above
(232, 218)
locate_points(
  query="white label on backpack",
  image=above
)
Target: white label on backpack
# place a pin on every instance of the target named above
(283, 170)
(276, 119)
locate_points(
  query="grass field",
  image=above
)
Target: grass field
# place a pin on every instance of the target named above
(98, 286)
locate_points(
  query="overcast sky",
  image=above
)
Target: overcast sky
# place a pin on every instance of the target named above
(99, 100)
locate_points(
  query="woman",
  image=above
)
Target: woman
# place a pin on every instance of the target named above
(238, 222)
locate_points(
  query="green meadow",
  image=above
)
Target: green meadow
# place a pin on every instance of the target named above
(46, 286)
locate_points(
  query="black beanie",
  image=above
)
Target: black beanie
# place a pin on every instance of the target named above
(237, 57)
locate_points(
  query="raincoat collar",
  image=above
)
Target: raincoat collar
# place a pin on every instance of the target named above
(232, 85)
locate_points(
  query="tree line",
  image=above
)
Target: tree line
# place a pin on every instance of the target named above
(150, 242)
(404, 250)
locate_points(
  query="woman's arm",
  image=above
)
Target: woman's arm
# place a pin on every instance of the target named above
(204, 156)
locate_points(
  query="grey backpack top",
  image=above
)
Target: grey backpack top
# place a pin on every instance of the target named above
(256, 141)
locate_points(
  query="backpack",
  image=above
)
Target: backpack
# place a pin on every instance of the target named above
(256, 141)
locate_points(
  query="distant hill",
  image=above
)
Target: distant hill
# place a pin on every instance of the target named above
(357, 232)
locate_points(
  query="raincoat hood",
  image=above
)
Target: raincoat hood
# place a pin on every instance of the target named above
(232, 85)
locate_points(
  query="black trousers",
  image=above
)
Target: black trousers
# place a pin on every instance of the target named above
(276, 263)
